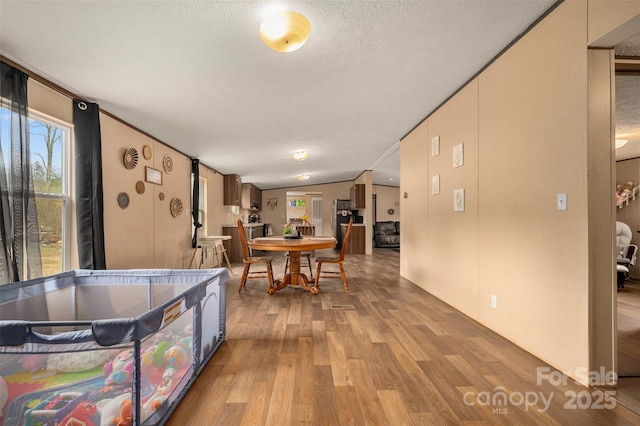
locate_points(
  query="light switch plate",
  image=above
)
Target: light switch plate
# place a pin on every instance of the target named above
(562, 202)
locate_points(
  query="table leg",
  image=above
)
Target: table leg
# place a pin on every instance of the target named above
(294, 277)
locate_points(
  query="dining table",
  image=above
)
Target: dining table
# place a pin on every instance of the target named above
(294, 245)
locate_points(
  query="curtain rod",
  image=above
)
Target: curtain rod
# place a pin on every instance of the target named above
(71, 95)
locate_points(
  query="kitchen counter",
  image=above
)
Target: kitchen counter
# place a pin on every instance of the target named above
(246, 225)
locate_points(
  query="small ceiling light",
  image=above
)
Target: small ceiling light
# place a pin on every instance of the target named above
(621, 142)
(302, 178)
(300, 155)
(285, 31)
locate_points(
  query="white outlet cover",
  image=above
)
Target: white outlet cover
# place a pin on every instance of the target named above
(562, 202)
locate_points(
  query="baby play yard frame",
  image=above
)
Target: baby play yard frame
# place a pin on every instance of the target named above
(106, 347)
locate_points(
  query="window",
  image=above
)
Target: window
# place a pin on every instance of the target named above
(49, 142)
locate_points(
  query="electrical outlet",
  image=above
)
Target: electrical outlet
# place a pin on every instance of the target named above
(494, 301)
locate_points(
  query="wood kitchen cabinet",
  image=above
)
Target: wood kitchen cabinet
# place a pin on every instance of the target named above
(357, 239)
(251, 197)
(233, 246)
(357, 196)
(232, 190)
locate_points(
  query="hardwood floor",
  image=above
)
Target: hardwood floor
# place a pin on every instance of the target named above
(386, 354)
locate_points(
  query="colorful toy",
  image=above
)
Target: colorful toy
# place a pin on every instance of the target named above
(120, 369)
(110, 408)
(83, 415)
(4, 394)
(126, 414)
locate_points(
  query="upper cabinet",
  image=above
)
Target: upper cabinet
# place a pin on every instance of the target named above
(251, 197)
(232, 190)
(357, 196)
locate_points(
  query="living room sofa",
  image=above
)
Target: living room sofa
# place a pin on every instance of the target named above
(387, 234)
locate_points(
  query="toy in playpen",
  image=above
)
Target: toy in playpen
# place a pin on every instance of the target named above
(83, 382)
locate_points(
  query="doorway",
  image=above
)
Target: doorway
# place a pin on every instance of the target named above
(627, 169)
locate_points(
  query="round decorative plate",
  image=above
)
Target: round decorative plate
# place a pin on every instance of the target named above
(146, 152)
(161, 196)
(175, 207)
(140, 187)
(167, 163)
(123, 200)
(130, 158)
(391, 211)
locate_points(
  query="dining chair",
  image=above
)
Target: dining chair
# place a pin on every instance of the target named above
(249, 260)
(336, 261)
(305, 229)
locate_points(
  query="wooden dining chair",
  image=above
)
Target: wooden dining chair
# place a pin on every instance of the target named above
(336, 261)
(305, 229)
(249, 260)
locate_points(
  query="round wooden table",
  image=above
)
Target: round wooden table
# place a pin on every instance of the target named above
(294, 247)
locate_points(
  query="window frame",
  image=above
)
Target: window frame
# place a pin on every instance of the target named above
(66, 176)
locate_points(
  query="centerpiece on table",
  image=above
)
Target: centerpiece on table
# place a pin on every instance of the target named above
(289, 233)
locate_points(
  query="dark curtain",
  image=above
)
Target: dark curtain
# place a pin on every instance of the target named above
(88, 171)
(18, 216)
(195, 200)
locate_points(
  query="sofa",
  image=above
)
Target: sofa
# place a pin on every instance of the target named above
(387, 234)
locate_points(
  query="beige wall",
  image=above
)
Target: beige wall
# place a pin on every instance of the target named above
(629, 171)
(145, 234)
(523, 123)
(453, 236)
(387, 197)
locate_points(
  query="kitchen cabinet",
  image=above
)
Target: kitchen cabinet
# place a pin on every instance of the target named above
(233, 246)
(357, 196)
(357, 239)
(232, 190)
(251, 197)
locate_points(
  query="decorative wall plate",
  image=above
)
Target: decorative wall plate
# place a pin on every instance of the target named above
(391, 211)
(130, 159)
(140, 187)
(167, 163)
(123, 200)
(146, 152)
(175, 207)
(161, 196)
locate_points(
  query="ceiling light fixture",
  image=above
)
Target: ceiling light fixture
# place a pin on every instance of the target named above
(285, 31)
(621, 142)
(300, 155)
(304, 177)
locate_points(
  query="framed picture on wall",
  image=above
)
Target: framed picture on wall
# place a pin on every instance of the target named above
(435, 185)
(458, 200)
(458, 155)
(435, 146)
(152, 175)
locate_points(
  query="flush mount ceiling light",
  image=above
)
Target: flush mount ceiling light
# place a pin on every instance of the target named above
(621, 142)
(302, 178)
(285, 31)
(300, 155)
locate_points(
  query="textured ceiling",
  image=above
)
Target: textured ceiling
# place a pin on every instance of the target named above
(628, 100)
(195, 74)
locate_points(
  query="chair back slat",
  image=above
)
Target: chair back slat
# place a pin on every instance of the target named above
(243, 241)
(345, 241)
